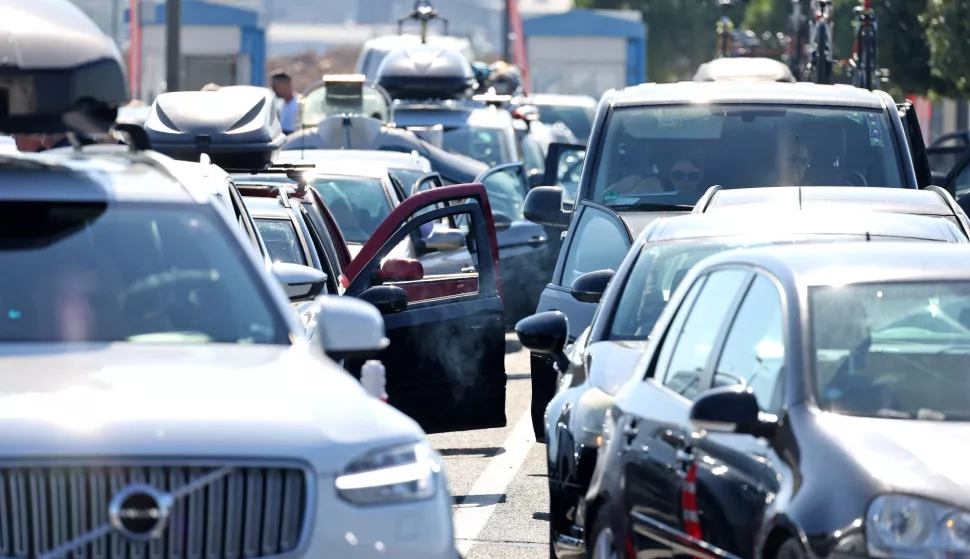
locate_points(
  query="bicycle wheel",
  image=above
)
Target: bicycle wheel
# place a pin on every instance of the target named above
(867, 56)
(823, 62)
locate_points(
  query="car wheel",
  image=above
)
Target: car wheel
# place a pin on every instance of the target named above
(791, 549)
(604, 541)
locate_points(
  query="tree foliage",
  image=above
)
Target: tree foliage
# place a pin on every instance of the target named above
(948, 31)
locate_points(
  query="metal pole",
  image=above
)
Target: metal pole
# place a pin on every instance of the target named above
(506, 31)
(173, 44)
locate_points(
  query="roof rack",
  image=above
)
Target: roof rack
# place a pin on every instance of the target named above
(296, 172)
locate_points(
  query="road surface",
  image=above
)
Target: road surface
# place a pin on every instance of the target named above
(498, 477)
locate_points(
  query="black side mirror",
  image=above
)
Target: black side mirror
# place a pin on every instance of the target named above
(535, 178)
(543, 205)
(589, 287)
(501, 221)
(388, 299)
(732, 409)
(546, 333)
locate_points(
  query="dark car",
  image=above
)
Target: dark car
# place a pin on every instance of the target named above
(796, 402)
(655, 149)
(606, 354)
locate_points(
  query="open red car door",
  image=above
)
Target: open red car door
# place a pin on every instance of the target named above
(446, 361)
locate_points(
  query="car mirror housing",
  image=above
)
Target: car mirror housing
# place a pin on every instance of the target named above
(543, 205)
(589, 287)
(732, 409)
(352, 329)
(301, 283)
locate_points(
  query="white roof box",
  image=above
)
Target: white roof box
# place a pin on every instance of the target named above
(58, 71)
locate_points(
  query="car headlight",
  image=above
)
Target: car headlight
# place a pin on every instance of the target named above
(392, 475)
(590, 411)
(905, 526)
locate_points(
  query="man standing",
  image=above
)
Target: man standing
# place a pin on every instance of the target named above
(290, 111)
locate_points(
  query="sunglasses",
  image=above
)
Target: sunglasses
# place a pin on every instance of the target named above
(681, 176)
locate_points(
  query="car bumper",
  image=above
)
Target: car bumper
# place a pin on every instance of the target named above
(420, 529)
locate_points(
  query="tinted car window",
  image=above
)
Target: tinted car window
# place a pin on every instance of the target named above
(88, 272)
(578, 119)
(358, 204)
(281, 240)
(672, 155)
(754, 352)
(506, 192)
(895, 350)
(699, 333)
(598, 244)
(407, 177)
(487, 145)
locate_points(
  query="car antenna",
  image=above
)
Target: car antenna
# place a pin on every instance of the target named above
(798, 178)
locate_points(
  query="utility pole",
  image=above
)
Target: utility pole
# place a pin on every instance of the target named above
(506, 32)
(173, 44)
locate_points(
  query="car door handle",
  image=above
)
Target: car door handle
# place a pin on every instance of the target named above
(674, 439)
(468, 270)
(536, 240)
(562, 237)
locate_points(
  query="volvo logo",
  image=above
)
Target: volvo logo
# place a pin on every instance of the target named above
(140, 512)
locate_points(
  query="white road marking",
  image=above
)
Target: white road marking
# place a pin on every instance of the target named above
(471, 520)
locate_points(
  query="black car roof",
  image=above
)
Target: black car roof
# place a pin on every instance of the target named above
(857, 262)
(899, 200)
(842, 221)
(802, 93)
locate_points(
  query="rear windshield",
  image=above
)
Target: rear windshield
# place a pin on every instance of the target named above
(92, 272)
(578, 119)
(281, 240)
(671, 155)
(893, 350)
(487, 145)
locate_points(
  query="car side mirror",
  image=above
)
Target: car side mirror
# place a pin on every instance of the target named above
(502, 222)
(543, 205)
(399, 269)
(732, 409)
(589, 287)
(545, 333)
(301, 283)
(445, 239)
(388, 299)
(353, 328)
(535, 178)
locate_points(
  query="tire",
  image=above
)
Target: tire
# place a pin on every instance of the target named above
(603, 542)
(791, 549)
(823, 64)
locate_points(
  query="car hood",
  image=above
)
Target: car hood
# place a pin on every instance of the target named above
(918, 457)
(612, 363)
(638, 221)
(205, 400)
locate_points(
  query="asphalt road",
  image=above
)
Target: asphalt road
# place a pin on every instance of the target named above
(498, 477)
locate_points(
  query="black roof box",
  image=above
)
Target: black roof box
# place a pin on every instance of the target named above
(426, 72)
(58, 71)
(238, 127)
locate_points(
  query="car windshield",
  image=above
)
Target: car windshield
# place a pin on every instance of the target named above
(338, 99)
(484, 144)
(661, 266)
(281, 240)
(129, 272)
(894, 350)
(578, 119)
(358, 204)
(671, 155)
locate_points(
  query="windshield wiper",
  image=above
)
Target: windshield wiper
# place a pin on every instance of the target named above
(652, 206)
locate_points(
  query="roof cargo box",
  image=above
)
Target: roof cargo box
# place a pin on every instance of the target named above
(58, 71)
(426, 72)
(237, 127)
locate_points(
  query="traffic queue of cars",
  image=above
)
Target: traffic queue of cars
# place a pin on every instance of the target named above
(750, 344)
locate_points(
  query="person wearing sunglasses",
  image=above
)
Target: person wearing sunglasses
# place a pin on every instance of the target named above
(686, 177)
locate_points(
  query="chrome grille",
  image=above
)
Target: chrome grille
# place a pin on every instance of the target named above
(250, 512)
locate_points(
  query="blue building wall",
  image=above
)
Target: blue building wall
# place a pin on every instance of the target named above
(199, 13)
(593, 23)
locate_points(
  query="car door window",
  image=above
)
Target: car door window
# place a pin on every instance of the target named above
(506, 189)
(532, 155)
(754, 353)
(599, 242)
(698, 333)
(281, 240)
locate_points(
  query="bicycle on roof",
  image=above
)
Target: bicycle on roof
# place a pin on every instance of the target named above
(863, 64)
(820, 59)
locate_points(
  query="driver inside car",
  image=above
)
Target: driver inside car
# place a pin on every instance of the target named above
(636, 175)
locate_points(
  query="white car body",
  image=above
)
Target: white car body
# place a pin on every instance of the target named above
(118, 442)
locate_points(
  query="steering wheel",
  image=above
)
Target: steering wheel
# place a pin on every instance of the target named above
(854, 177)
(161, 284)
